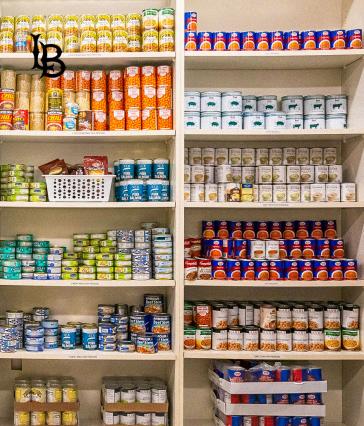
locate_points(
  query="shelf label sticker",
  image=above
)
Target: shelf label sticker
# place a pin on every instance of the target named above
(82, 357)
(86, 283)
(283, 205)
(273, 356)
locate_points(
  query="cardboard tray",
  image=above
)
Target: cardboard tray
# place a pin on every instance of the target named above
(46, 406)
(136, 407)
(267, 388)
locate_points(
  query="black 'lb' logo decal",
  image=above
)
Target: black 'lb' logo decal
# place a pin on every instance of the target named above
(45, 60)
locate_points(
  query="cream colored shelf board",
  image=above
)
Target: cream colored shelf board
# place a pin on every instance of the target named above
(226, 205)
(274, 284)
(87, 283)
(286, 59)
(322, 356)
(89, 355)
(272, 135)
(85, 205)
(28, 136)
(26, 60)
(211, 422)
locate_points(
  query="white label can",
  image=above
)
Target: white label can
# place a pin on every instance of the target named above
(336, 121)
(127, 419)
(211, 120)
(211, 192)
(293, 193)
(279, 193)
(293, 174)
(221, 156)
(294, 122)
(321, 174)
(210, 101)
(143, 419)
(235, 156)
(314, 104)
(279, 174)
(187, 173)
(307, 174)
(316, 156)
(197, 174)
(192, 120)
(223, 174)
(197, 192)
(231, 120)
(284, 340)
(265, 193)
(336, 104)
(267, 103)
(248, 174)
(318, 192)
(302, 156)
(305, 193)
(330, 155)
(262, 156)
(236, 174)
(275, 156)
(254, 120)
(187, 192)
(348, 192)
(192, 101)
(248, 156)
(249, 103)
(209, 174)
(208, 156)
(333, 192)
(314, 122)
(265, 174)
(292, 104)
(275, 120)
(335, 173)
(232, 102)
(221, 194)
(289, 156)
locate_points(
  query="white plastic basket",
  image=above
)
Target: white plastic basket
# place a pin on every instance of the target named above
(79, 187)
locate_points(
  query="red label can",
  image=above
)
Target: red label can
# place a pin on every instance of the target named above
(191, 269)
(266, 421)
(338, 39)
(214, 249)
(261, 270)
(302, 230)
(320, 272)
(294, 249)
(221, 227)
(227, 249)
(21, 119)
(316, 229)
(208, 229)
(204, 41)
(233, 269)
(233, 41)
(283, 249)
(235, 229)
(276, 269)
(262, 40)
(190, 21)
(247, 269)
(308, 248)
(292, 40)
(240, 249)
(187, 251)
(195, 247)
(190, 41)
(337, 248)
(249, 230)
(204, 269)
(262, 230)
(323, 39)
(7, 99)
(305, 272)
(308, 40)
(6, 120)
(335, 270)
(218, 269)
(291, 270)
(275, 232)
(323, 248)
(289, 231)
(299, 374)
(350, 269)
(330, 229)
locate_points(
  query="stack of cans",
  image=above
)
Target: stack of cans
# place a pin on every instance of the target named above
(12, 269)
(8, 338)
(16, 319)
(162, 253)
(107, 337)
(34, 338)
(50, 333)
(141, 264)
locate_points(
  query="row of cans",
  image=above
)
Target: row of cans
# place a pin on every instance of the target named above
(264, 270)
(274, 230)
(142, 169)
(287, 156)
(294, 248)
(271, 421)
(139, 190)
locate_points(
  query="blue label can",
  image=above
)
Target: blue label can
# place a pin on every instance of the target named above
(282, 421)
(68, 337)
(123, 191)
(144, 169)
(89, 337)
(161, 168)
(126, 169)
(154, 190)
(299, 421)
(135, 190)
(165, 190)
(314, 421)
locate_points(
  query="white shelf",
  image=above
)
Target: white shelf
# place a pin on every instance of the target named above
(89, 355)
(252, 60)
(87, 283)
(323, 205)
(271, 135)
(85, 205)
(211, 422)
(28, 136)
(260, 355)
(26, 60)
(274, 284)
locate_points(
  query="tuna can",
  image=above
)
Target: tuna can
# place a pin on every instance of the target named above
(231, 120)
(249, 103)
(231, 102)
(292, 105)
(210, 120)
(314, 122)
(336, 121)
(68, 337)
(210, 102)
(89, 337)
(275, 120)
(254, 120)
(192, 101)
(314, 105)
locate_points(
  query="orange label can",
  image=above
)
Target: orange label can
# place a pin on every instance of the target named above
(149, 97)
(7, 99)
(149, 119)
(21, 119)
(165, 119)
(164, 97)
(133, 119)
(54, 121)
(117, 119)
(6, 119)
